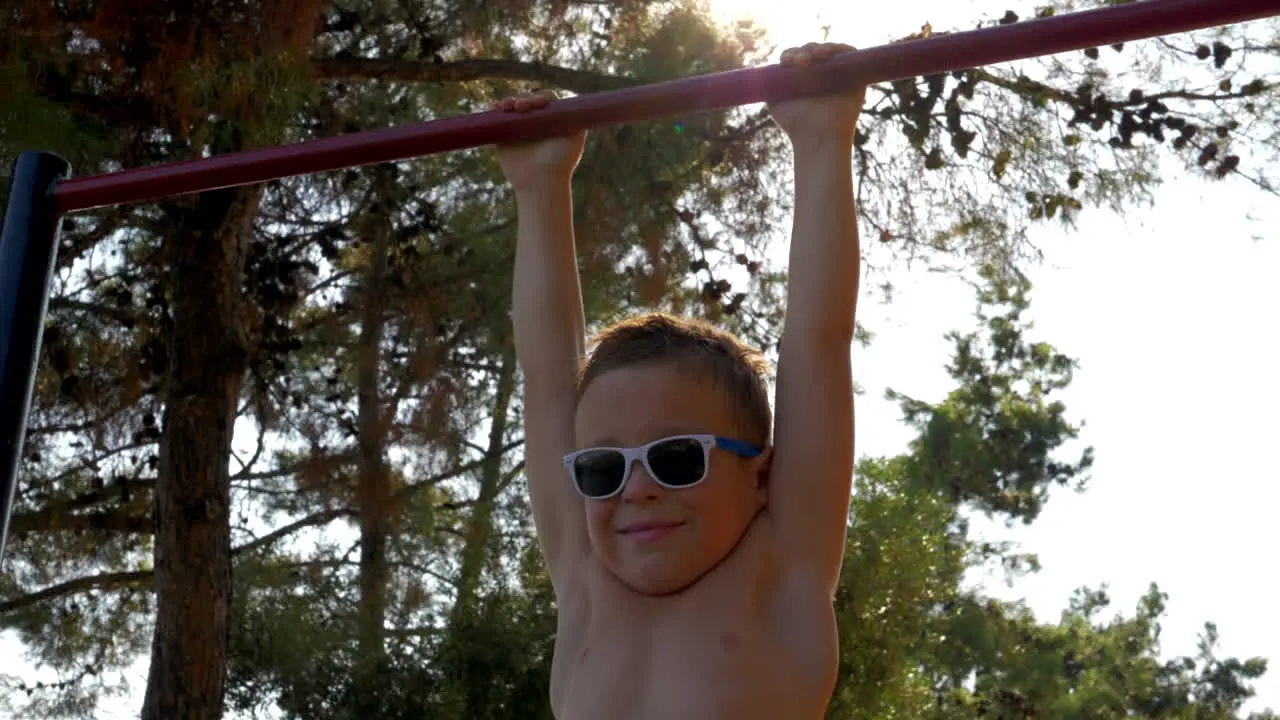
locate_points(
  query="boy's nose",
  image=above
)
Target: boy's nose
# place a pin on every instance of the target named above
(640, 487)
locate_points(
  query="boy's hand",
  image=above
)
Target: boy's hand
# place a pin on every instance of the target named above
(530, 164)
(818, 118)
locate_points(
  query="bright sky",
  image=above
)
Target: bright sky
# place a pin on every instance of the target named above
(1163, 309)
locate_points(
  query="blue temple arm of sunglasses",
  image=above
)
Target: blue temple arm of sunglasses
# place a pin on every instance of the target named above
(738, 447)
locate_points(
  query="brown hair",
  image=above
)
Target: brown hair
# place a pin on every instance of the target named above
(732, 367)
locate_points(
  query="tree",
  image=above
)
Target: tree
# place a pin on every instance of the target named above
(195, 94)
(916, 643)
(1087, 667)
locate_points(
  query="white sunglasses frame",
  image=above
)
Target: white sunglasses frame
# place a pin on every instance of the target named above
(633, 454)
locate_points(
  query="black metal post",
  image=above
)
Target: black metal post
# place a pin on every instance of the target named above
(28, 249)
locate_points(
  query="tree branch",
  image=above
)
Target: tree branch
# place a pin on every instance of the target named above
(114, 313)
(403, 493)
(511, 476)
(291, 468)
(415, 71)
(1026, 86)
(315, 519)
(121, 489)
(59, 427)
(57, 519)
(104, 581)
(108, 581)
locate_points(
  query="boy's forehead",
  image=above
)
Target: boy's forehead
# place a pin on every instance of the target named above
(625, 404)
(655, 384)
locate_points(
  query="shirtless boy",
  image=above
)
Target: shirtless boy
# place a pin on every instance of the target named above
(694, 561)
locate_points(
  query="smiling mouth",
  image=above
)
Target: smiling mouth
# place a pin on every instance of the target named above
(648, 527)
(650, 532)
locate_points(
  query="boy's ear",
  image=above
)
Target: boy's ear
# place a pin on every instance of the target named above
(763, 465)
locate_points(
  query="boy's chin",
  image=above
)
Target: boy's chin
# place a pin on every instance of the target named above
(658, 574)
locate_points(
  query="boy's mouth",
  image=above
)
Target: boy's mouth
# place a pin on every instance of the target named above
(651, 531)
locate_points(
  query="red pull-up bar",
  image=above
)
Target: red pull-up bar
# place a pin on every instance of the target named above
(41, 194)
(940, 53)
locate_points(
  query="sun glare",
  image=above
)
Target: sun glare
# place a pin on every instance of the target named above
(796, 22)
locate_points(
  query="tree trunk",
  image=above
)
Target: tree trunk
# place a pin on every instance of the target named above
(480, 526)
(470, 689)
(374, 475)
(207, 352)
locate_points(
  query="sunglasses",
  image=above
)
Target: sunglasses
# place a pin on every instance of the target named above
(676, 462)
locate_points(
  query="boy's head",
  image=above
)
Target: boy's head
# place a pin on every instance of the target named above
(654, 377)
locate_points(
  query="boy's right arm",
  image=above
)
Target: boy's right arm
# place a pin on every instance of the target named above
(549, 337)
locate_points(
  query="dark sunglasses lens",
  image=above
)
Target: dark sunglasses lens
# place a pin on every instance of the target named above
(678, 462)
(599, 472)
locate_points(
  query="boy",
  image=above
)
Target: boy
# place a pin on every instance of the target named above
(694, 564)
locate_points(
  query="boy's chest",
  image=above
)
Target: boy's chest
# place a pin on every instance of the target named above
(679, 671)
(725, 648)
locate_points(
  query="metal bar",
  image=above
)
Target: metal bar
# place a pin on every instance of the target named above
(941, 53)
(28, 248)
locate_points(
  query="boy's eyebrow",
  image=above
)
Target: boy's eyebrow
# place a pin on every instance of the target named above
(673, 431)
(665, 432)
(607, 441)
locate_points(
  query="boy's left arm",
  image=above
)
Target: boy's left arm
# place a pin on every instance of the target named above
(813, 439)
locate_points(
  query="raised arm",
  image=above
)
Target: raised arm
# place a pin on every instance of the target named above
(813, 437)
(549, 332)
